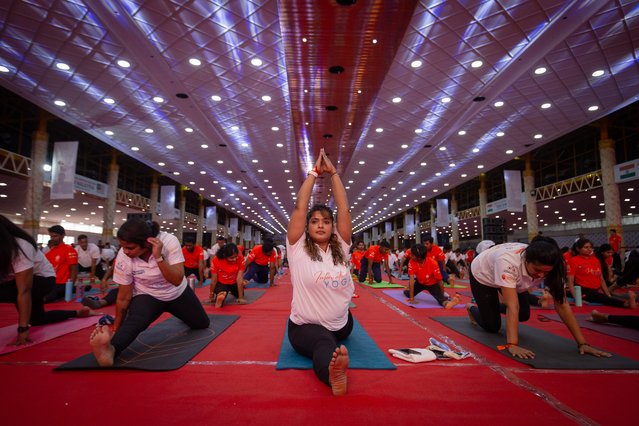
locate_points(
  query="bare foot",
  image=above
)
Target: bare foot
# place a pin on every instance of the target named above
(219, 299)
(544, 301)
(337, 370)
(597, 316)
(456, 300)
(100, 341)
(87, 312)
(470, 315)
(632, 300)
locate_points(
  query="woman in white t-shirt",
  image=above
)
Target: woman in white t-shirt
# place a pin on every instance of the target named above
(317, 248)
(149, 269)
(26, 276)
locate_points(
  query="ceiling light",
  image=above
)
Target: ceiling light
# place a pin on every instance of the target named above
(404, 146)
(176, 173)
(598, 73)
(545, 106)
(374, 41)
(480, 166)
(204, 146)
(379, 130)
(188, 130)
(109, 101)
(135, 148)
(370, 145)
(475, 150)
(397, 100)
(275, 128)
(461, 132)
(464, 175)
(304, 39)
(499, 104)
(593, 108)
(540, 70)
(190, 163)
(3, 68)
(158, 99)
(63, 66)
(266, 98)
(59, 103)
(161, 164)
(46, 167)
(216, 98)
(446, 100)
(108, 133)
(476, 64)
(442, 148)
(256, 62)
(195, 62)
(423, 164)
(123, 63)
(418, 131)
(500, 134)
(538, 136)
(169, 147)
(509, 151)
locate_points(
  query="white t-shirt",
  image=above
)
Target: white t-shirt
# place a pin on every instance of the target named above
(85, 257)
(108, 254)
(321, 290)
(146, 277)
(503, 266)
(30, 257)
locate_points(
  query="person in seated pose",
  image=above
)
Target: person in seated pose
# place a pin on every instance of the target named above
(317, 248)
(424, 274)
(150, 272)
(510, 269)
(227, 267)
(261, 263)
(371, 263)
(26, 277)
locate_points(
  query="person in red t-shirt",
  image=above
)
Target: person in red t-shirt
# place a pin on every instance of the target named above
(260, 263)
(424, 274)
(193, 259)
(227, 267)
(64, 260)
(371, 264)
(437, 254)
(615, 242)
(584, 269)
(356, 257)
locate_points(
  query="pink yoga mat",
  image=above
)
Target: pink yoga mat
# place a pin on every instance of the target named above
(42, 333)
(426, 301)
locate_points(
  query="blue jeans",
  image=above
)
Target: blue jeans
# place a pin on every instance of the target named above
(363, 271)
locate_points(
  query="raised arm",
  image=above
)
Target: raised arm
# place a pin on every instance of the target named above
(297, 224)
(344, 222)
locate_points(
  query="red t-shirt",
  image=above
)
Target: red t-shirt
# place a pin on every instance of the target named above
(470, 254)
(586, 270)
(61, 258)
(375, 255)
(407, 255)
(257, 255)
(567, 255)
(226, 271)
(192, 258)
(356, 258)
(436, 253)
(426, 273)
(615, 242)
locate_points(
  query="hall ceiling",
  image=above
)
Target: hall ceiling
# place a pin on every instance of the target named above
(429, 93)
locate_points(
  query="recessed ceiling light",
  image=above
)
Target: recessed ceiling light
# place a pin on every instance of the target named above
(476, 64)
(169, 147)
(188, 130)
(204, 146)
(370, 145)
(63, 66)
(538, 136)
(176, 173)
(480, 166)
(158, 99)
(161, 164)
(499, 104)
(195, 62)
(475, 150)
(500, 134)
(108, 133)
(379, 130)
(374, 41)
(266, 98)
(451, 165)
(109, 101)
(540, 70)
(416, 64)
(442, 148)
(123, 63)
(464, 175)
(148, 130)
(256, 62)
(397, 100)
(190, 163)
(275, 128)
(593, 108)
(418, 131)
(461, 132)
(389, 162)
(509, 151)
(216, 98)
(404, 146)
(304, 39)
(135, 148)
(546, 105)
(423, 164)
(446, 100)
(598, 73)
(59, 103)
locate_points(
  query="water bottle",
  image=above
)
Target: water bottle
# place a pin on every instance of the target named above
(68, 290)
(578, 301)
(191, 281)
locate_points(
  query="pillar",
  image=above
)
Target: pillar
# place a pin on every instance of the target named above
(483, 200)
(180, 227)
(608, 184)
(109, 208)
(155, 191)
(454, 223)
(199, 227)
(39, 146)
(531, 199)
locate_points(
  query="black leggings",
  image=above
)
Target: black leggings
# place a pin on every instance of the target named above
(376, 269)
(40, 288)
(318, 343)
(434, 289)
(594, 296)
(630, 321)
(488, 311)
(144, 309)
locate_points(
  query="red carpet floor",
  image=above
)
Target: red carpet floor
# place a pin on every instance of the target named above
(234, 381)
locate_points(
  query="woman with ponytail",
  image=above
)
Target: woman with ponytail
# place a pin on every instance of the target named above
(149, 269)
(317, 247)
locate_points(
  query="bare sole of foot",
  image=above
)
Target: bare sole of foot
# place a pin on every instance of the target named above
(632, 300)
(456, 300)
(219, 299)
(87, 312)
(470, 315)
(597, 316)
(337, 371)
(100, 342)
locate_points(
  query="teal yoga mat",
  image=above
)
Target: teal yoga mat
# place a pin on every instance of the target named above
(551, 351)
(166, 346)
(363, 353)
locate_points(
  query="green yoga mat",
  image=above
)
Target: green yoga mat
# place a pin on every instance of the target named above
(383, 284)
(363, 353)
(551, 351)
(455, 286)
(166, 346)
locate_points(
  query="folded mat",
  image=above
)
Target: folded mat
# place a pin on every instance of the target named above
(250, 296)
(42, 333)
(604, 328)
(166, 346)
(363, 353)
(425, 299)
(551, 351)
(383, 284)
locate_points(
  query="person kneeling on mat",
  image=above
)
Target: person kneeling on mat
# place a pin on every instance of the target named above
(150, 273)
(510, 269)
(424, 274)
(227, 267)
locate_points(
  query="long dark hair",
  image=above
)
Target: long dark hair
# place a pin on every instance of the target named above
(311, 248)
(136, 231)
(546, 251)
(227, 250)
(9, 234)
(602, 262)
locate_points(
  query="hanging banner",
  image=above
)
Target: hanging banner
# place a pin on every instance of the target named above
(65, 155)
(366, 238)
(409, 224)
(167, 202)
(375, 233)
(512, 179)
(211, 219)
(388, 234)
(442, 218)
(247, 232)
(257, 237)
(233, 227)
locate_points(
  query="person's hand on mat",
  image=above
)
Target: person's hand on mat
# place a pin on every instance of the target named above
(156, 246)
(412, 301)
(23, 339)
(519, 352)
(587, 349)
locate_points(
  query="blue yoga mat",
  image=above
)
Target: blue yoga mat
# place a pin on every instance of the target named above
(363, 353)
(255, 284)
